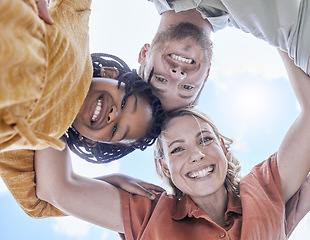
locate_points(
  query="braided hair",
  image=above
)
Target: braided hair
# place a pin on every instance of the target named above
(100, 152)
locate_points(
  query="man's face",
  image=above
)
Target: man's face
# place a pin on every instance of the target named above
(181, 60)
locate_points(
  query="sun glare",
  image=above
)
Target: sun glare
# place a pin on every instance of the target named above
(252, 104)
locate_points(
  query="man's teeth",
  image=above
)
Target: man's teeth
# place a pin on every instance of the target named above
(201, 173)
(97, 110)
(182, 59)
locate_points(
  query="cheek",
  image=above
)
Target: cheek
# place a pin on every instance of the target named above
(175, 166)
(224, 167)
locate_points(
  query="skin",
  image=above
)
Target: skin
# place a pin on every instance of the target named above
(43, 11)
(175, 82)
(303, 206)
(60, 186)
(192, 150)
(173, 75)
(118, 120)
(126, 124)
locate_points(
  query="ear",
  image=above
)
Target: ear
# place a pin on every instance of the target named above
(109, 72)
(164, 167)
(208, 72)
(143, 51)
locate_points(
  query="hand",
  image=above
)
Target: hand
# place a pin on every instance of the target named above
(43, 11)
(132, 185)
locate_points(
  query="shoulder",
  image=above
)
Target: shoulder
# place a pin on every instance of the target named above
(263, 178)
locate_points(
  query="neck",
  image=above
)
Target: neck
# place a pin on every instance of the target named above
(214, 205)
(169, 18)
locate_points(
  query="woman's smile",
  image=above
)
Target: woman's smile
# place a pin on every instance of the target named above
(201, 172)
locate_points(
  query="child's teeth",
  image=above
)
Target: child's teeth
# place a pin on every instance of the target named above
(97, 110)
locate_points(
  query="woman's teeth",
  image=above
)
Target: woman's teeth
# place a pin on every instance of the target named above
(97, 110)
(201, 173)
(182, 59)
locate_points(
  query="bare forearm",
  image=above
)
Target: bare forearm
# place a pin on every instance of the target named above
(89, 199)
(294, 151)
(299, 80)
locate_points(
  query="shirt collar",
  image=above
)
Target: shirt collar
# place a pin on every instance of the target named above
(187, 208)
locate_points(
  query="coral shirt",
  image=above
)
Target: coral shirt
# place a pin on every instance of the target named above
(259, 213)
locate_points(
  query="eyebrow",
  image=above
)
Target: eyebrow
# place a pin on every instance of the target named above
(185, 97)
(158, 89)
(176, 141)
(197, 135)
(135, 104)
(164, 90)
(203, 131)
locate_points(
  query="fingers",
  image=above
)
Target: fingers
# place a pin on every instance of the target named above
(146, 190)
(43, 11)
(139, 190)
(147, 193)
(152, 187)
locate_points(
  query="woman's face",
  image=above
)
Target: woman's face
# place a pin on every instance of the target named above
(105, 116)
(194, 157)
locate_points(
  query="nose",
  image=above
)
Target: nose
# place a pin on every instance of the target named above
(196, 155)
(113, 114)
(178, 73)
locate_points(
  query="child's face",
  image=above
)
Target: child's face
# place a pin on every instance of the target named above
(106, 117)
(194, 156)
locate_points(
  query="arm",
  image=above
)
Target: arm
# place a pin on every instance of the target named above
(92, 200)
(132, 185)
(17, 171)
(303, 206)
(294, 151)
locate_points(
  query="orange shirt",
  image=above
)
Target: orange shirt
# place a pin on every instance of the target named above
(259, 213)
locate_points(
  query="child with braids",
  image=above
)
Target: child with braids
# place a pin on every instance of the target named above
(127, 103)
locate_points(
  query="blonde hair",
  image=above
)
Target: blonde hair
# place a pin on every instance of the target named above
(232, 177)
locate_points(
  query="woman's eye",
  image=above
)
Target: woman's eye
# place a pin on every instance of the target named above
(176, 150)
(188, 87)
(206, 140)
(124, 102)
(159, 79)
(114, 130)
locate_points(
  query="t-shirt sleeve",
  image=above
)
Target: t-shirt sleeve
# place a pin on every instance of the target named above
(267, 174)
(17, 172)
(161, 5)
(76, 5)
(136, 212)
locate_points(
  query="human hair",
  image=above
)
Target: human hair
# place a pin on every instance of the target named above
(232, 177)
(176, 32)
(100, 152)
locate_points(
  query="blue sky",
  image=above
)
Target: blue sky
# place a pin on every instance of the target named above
(248, 96)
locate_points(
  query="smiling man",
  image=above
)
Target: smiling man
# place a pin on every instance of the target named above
(181, 57)
(180, 71)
